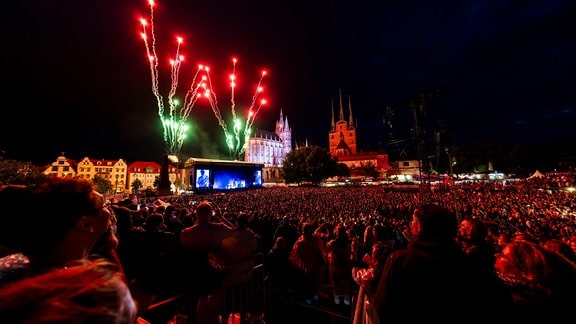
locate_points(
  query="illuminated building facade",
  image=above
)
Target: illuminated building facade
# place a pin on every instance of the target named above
(270, 148)
(342, 143)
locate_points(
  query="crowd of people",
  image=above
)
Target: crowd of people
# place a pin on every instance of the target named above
(377, 250)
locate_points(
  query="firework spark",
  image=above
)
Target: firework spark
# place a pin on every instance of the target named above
(237, 139)
(175, 116)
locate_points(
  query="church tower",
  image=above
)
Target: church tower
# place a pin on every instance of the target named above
(342, 135)
(270, 147)
(283, 131)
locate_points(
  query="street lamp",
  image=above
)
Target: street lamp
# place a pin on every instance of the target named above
(116, 189)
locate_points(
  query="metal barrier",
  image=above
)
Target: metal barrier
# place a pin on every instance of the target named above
(169, 311)
(247, 303)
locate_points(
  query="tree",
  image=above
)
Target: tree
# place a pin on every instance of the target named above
(136, 186)
(369, 170)
(342, 170)
(308, 164)
(19, 173)
(102, 185)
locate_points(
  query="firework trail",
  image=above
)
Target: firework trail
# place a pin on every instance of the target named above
(236, 143)
(173, 121)
(174, 118)
(213, 100)
(251, 113)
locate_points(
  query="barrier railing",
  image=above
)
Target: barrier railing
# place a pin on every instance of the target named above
(247, 303)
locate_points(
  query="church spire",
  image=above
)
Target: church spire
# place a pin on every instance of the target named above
(333, 125)
(286, 128)
(351, 122)
(281, 123)
(341, 107)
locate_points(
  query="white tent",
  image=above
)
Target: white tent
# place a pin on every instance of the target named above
(536, 174)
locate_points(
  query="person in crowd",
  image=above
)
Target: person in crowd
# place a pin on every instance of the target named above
(386, 236)
(127, 249)
(324, 232)
(308, 257)
(572, 242)
(182, 221)
(281, 271)
(172, 219)
(240, 249)
(536, 275)
(501, 239)
(473, 239)
(125, 226)
(82, 292)
(77, 218)
(155, 224)
(523, 236)
(338, 251)
(368, 238)
(203, 248)
(187, 220)
(288, 231)
(106, 248)
(560, 246)
(433, 273)
(80, 225)
(154, 253)
(367, 278)
(140, 215)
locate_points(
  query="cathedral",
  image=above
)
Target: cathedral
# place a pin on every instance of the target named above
(270, 148)
(342, 136)
(342, 143)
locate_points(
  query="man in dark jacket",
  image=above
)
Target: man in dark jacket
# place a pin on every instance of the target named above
(435, 276)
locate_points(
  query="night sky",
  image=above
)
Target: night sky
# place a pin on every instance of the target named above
(76, 77)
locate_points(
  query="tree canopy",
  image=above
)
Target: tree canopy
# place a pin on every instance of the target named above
(19, 173)
(312, 164)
